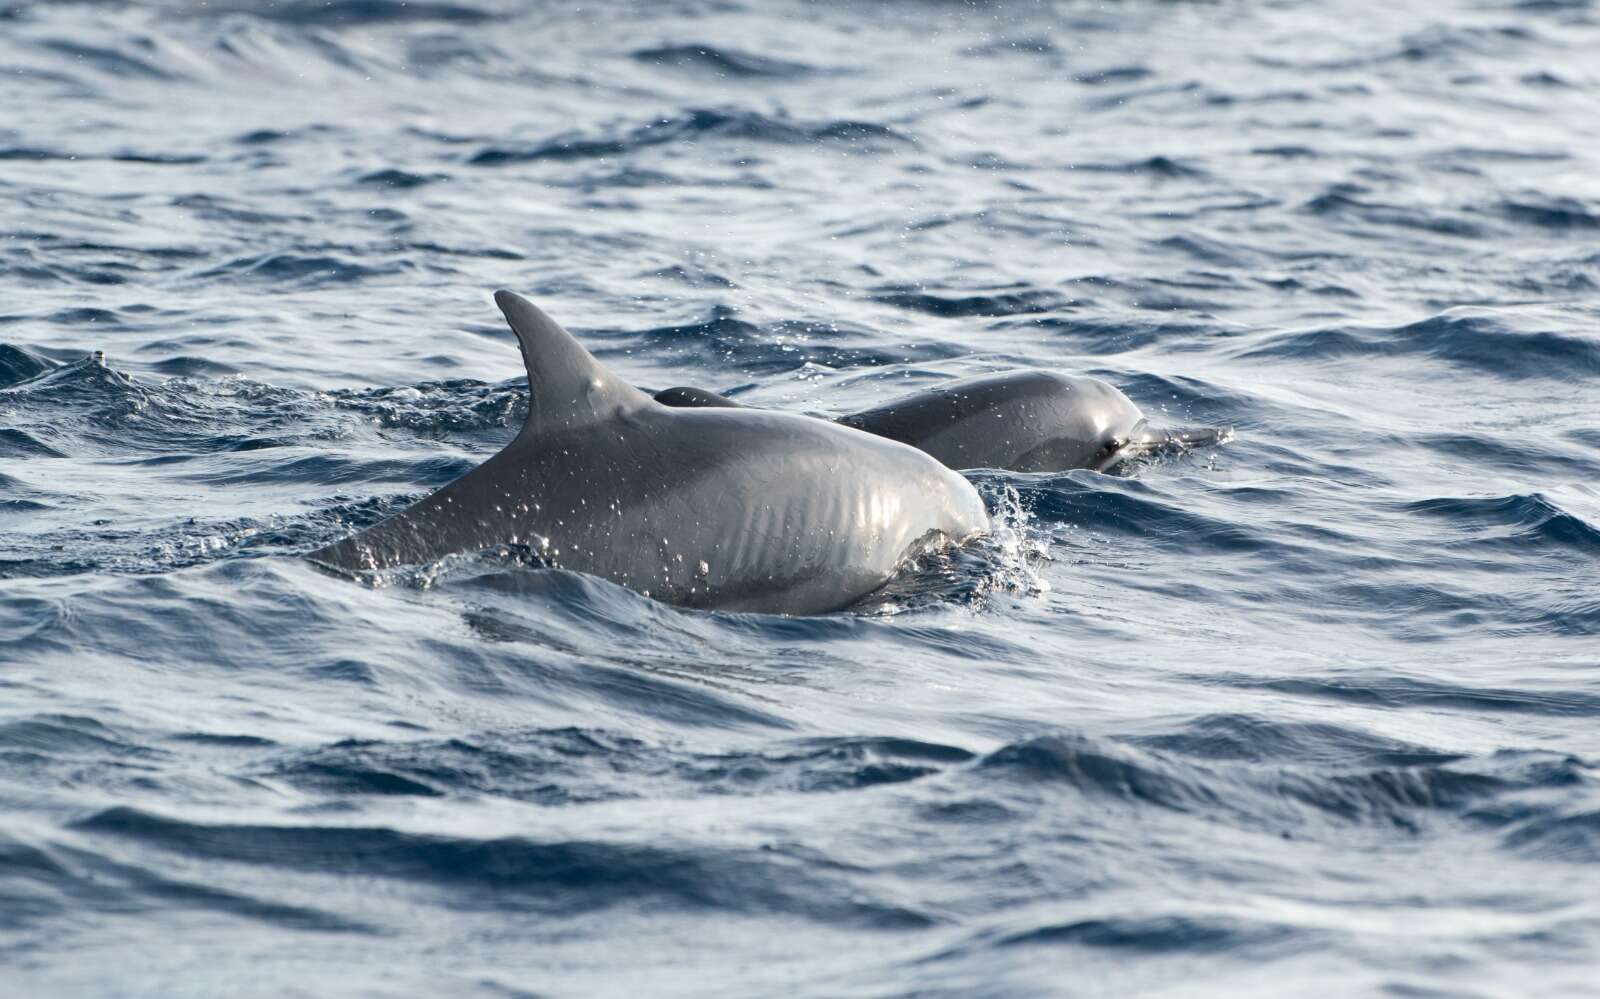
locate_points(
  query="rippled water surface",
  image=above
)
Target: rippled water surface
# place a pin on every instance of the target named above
(1312, 713)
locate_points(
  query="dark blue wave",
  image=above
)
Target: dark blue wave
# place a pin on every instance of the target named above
(302, 269)
(522, 874)
(361, 13)
(737, 344)
(999, 303)
(17, 364)
(1160, 934)
(1536, 522)
(1477, 341)
(722, 61)
(694, 126)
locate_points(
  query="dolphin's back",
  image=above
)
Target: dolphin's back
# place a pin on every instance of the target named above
(792, 512)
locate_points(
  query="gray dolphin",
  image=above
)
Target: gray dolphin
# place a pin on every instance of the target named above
(1024, 421)
(736, 509)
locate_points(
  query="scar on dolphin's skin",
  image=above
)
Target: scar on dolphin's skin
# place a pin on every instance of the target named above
(1023, 421)
(715, 507)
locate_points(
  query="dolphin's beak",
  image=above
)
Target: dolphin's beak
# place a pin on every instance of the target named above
(1151, 442)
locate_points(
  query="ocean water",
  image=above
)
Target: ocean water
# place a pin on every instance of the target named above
(1312, 713)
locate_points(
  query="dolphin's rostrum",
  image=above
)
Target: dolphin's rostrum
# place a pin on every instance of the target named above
(735, 509)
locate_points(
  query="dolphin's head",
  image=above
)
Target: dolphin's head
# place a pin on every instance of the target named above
(1066, 421)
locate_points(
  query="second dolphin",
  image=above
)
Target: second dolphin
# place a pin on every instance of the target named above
(1021, 421)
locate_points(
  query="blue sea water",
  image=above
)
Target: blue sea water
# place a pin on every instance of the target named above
(1314, 713)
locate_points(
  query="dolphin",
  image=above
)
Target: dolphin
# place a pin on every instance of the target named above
(1023, 421)
(717, 508)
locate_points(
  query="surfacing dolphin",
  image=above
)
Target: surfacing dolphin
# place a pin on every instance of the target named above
(735, 509)
(1023, 421)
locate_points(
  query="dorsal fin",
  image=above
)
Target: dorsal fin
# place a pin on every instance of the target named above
(567, 387)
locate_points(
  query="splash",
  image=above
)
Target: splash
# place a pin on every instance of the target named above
(1006, 562)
